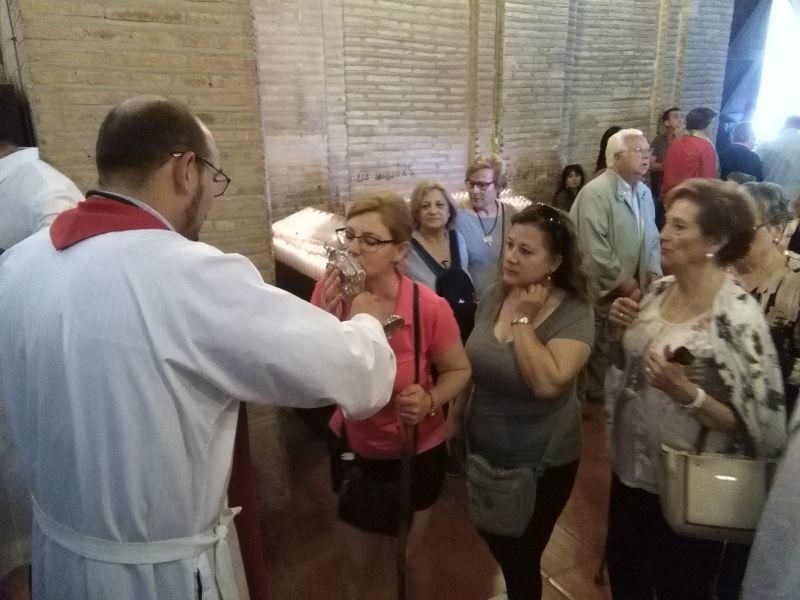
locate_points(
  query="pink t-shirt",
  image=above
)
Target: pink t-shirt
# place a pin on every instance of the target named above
(379, 435)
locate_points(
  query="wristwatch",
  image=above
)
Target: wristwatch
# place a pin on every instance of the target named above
(521, 321)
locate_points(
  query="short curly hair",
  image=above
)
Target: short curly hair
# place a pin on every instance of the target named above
(772, 205)
(494, 162)
(727, 214)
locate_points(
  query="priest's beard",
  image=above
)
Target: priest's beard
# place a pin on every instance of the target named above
(191, 216)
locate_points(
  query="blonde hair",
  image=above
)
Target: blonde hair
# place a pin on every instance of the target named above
(392, 210)
(418, 195)
(490, 161)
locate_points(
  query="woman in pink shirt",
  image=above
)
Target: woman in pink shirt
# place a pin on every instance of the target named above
(378, 232)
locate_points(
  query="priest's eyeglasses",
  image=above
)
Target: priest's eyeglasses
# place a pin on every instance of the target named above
(220, 179)
(369, 243)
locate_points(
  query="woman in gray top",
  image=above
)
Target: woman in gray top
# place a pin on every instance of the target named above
(533, 334)
(485, 222)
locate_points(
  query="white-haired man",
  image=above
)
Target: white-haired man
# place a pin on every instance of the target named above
(615, 219)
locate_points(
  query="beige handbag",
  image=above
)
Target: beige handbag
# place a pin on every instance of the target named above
(713, 496)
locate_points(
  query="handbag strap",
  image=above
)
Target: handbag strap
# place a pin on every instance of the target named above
(432, 263)
(455, 254)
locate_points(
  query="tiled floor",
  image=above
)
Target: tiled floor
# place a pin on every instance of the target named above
(305, 554)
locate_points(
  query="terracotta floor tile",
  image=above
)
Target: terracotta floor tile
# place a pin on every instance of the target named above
(305, 555)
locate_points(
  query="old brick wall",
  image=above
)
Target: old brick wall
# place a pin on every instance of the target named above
(78, 59)
(366, 94)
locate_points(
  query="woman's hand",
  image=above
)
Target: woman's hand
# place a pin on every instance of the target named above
(332, 299)
(413, 404)
(669, 377)
(623, 312)
(531, 300)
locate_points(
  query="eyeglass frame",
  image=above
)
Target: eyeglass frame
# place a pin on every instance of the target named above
(481, 185)
(641, 151)
(369, 246)
(208, 163)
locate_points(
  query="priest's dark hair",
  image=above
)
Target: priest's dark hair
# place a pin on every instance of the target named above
(139, 136)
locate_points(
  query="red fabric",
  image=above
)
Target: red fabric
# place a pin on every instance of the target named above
(688, 157)
(380, 435)
(98, 215)
(242, 492)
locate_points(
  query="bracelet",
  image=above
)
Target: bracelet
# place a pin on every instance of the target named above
(697, 403)
(434, 405)
(521, 321)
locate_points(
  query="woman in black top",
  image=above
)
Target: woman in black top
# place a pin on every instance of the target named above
(572, 180)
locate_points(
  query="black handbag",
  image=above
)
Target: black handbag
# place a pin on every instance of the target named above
(366, 502)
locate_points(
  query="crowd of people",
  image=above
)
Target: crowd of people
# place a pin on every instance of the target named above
(654, 287)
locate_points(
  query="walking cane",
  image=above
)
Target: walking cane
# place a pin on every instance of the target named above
(405, 509)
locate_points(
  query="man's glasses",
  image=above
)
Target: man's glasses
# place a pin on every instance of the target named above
(369, 243)
(481, 185)
(640, 151)
(220, 179)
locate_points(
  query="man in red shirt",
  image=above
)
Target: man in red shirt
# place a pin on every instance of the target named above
(693, 155)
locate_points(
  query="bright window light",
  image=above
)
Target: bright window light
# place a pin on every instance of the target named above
(779, 95)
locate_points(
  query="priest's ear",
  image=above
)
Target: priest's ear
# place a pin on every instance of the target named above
(185, 173)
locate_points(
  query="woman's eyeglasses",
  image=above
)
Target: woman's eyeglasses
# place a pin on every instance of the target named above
(369, 243)
(481, 185)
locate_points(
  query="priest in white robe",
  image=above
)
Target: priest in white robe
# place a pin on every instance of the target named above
(125, 349)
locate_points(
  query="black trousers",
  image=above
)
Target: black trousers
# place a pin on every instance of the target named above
(646, 556)
(519, 558)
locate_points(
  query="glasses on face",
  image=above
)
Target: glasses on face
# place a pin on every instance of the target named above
(481, 185)
(641, 151)
(220, 180)
(368, 242)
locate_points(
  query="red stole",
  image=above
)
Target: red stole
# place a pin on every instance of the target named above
(97, 215)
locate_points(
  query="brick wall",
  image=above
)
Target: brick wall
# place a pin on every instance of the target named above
(80, 58)
(384, 93)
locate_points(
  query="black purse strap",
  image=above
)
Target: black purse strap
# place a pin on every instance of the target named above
(416, 334)
(431, 262)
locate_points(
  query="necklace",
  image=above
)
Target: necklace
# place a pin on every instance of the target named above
(487, 235)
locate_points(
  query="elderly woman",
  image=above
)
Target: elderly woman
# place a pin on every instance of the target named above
(572, 180)
(773, 279)
(437, 249)
(377, 232)
(533, 334)
(731, 390)
(485, 222)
